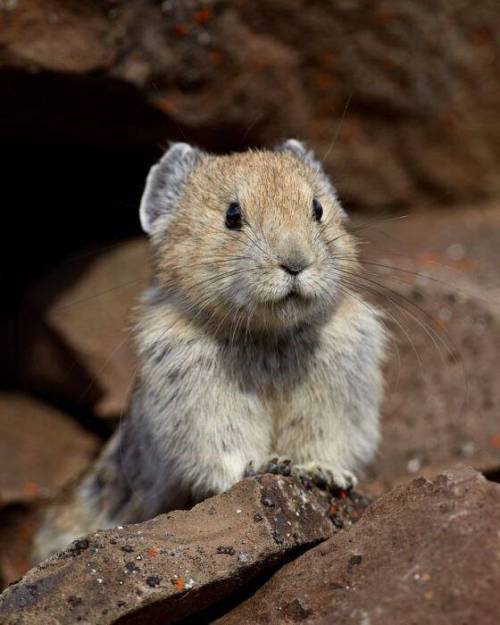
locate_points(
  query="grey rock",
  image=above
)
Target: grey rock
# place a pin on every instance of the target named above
(174, 565)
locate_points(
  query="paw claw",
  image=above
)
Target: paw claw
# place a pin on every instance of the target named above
(278, 465)
(324, 477)
(249, 470)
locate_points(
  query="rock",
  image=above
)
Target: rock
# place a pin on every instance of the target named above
(174, 565)
(18, 523)
(89, 308)
(54, 35)
(417, 82)
(443, 383)
(41, 449)
(36, 358)
(427, 552)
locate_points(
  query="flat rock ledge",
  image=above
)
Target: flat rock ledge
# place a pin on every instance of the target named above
(179, 563)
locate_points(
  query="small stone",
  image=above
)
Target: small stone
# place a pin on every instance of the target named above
(153, 581)
(267, 501)
(414, 465)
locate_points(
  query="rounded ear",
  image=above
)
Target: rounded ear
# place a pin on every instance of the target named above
(164, 184)
(293, 146)
(303, 153)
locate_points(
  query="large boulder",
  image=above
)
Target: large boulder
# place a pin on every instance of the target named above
(425, 553)
(178, 563)
(399, 99)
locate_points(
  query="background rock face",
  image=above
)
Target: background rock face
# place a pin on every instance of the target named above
(41, 449)
(420, 80)
(436, 275)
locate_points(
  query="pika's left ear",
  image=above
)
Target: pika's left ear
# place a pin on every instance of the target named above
(165, 182)
(304, 154)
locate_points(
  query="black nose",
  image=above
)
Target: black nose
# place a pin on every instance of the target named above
(293, 268)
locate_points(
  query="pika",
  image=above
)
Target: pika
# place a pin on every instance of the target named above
(251, 343)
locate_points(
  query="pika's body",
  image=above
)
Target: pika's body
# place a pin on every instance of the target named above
(251, 343)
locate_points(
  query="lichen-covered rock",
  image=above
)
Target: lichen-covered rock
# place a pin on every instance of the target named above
(419, 79)
(425, 553)
(174, 565)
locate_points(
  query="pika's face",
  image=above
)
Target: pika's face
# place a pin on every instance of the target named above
(257, 240)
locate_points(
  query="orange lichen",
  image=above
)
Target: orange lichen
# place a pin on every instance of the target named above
(383, 15)
(202, 16)
(323, 80)
(181, 30)
(178, 583)
(495, 441)
(31, 489)
(152, 552)
(163, 104)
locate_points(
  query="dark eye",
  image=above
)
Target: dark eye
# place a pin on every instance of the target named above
(233, 216)
(317, 210)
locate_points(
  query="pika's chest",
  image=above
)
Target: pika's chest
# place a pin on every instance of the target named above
(273, 373)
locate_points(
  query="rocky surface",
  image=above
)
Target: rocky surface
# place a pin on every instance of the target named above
(428, 552)
(419, 79)
(18, 523)
(444, 311)
(92, 316)
(41, 449)
(176, 564)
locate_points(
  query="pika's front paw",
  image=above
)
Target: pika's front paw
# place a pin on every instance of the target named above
(324, 475)
(279, 465)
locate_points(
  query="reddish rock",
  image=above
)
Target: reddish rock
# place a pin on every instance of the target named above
(36, 358)
(41, 449)
(443, 382)
(174, 565)
(427, 552)
(89, 308)
(18, 523)
(418, 81)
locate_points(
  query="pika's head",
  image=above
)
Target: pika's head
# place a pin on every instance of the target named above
(250, 240)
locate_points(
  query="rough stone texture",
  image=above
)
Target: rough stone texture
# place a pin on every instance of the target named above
(173, 565)
(41, 448)
(426, 553)
(443, 384)
(89, 309)
(18, 523)
(420, 79)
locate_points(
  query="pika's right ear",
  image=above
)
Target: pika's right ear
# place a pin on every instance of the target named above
(164, 184)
